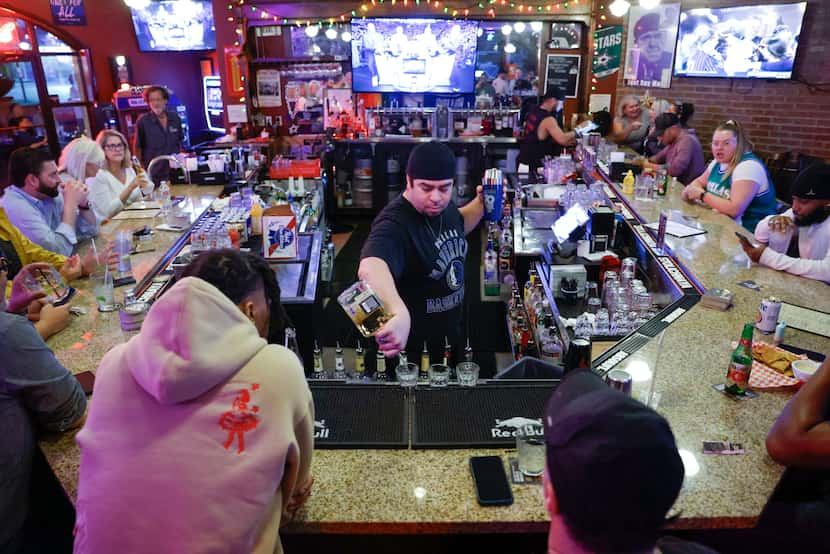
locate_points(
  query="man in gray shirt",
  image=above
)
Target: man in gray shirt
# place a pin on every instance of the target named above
(36, 393)
(158, 132)
(683, 155)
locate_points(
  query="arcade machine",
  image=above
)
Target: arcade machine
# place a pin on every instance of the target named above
(130, 105)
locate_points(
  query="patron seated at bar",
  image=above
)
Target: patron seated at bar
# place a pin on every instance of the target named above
(800, 439)
(116, 186)
(808, 222)
(36, 393)
(201, 433)
(542, 134)
(51, 214)
(158, 132)
(631, 124)
(736, 182)
(683, 156)
(612, 473)
(414, 256)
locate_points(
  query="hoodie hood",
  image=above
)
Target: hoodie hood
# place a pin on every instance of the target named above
(193, 338)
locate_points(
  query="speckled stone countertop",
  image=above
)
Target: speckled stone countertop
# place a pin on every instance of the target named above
(410, 491)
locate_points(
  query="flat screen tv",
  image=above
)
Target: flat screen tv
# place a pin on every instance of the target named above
(744, 42)
(174, 26)
(413, 55)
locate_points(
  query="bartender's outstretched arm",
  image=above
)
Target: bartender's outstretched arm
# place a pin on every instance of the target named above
(473, 211)
(393, 335)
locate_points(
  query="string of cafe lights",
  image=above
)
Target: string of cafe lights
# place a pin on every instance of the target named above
(483, 7)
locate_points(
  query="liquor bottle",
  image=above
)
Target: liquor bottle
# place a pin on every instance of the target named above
(319, 372)
(380, 368)
(359, 362)
(291, 342)
(402, 359)
(505, 260)
(740, 365)
(339, 363)
(491, 271)
(468, 351)
(423, 374)
(447, 352)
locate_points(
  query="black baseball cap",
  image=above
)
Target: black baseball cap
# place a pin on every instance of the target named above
(664, 121)
(552, 92)
(813, 183)
(612, 460)
(433, 161)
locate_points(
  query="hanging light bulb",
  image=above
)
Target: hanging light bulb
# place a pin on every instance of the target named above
(331, 34)
(535, 26)
(506, 29)
(619, 7)
(509, 48)
(346, 36)
(519, 27)
(649, 4)
(311, 31)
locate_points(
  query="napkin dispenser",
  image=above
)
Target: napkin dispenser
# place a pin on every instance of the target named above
(601, 227)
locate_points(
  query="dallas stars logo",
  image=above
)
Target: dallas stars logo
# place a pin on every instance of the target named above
(602, 60)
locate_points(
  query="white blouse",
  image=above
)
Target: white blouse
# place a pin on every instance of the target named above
(105, 193)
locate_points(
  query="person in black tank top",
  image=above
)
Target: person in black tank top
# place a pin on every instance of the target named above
(543, 135)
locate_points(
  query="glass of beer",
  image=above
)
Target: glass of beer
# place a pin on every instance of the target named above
(364, 308)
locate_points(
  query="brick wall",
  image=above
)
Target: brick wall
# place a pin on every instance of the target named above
(779, 116)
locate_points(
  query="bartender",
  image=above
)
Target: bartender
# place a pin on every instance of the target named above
(543, 135)
(415, 254)
(158, 132)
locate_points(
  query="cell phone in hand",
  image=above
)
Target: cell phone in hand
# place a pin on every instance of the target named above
(744, 239)
(492, 488)
(87, 381)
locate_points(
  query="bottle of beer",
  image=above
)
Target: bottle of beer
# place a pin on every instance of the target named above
(359, 362)
(740, 364)
(380, 368)
(447, 352)
(319, 372)
(423, 374)
(468, 351)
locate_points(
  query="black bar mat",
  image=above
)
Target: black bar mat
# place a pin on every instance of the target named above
(477, 417)
(360, 416)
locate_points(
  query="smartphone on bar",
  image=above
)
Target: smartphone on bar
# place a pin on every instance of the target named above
(744, 239)
(87, 381)
(492, 488)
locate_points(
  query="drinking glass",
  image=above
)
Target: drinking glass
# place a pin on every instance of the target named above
(628, 264)
(439, 375)
(530, 444)
(780, 241)
(602, 324)
(407, 374)
(104, 293)
(467, 373)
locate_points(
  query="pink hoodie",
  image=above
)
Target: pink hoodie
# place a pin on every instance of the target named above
(198, 432)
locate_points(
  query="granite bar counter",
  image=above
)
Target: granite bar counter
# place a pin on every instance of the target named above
(431, 491)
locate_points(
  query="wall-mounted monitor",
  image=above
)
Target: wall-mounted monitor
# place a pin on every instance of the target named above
(757, 41)
(175, 26)
(214, 106)
(413, 55)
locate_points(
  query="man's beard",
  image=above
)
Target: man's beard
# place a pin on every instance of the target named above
(51, 192)
(818, 216)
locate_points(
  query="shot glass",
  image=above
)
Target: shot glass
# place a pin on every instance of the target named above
(530, 444)
(407, 374)
(439, 375)
(467, 373)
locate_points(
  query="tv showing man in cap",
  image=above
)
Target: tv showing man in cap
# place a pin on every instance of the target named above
(808, 222)
(612, 474)
(655, 62)
(414, 256)
(683, 155)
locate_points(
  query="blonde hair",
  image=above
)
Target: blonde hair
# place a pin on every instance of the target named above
(742, 143)
(101, 139)
(624, 101)
(661, 106)
(77, 154)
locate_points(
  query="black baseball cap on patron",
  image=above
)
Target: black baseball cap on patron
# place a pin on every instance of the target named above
(813, 183)
(612, 460)
(664, 121)
(433, 161)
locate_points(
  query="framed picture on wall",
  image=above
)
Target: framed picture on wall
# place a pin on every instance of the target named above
(565, 36)
(562, 70)
(649, 51)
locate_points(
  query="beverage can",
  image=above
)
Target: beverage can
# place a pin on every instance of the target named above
(768, 313)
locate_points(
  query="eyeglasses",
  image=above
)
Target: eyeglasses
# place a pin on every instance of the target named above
(118, 146)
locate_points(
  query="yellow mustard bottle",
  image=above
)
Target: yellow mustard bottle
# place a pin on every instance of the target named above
(628, 183)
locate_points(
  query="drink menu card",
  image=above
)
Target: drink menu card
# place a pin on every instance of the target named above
(805, 319)
(679, 230)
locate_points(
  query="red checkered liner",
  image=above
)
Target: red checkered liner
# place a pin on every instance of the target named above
(765, 377)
